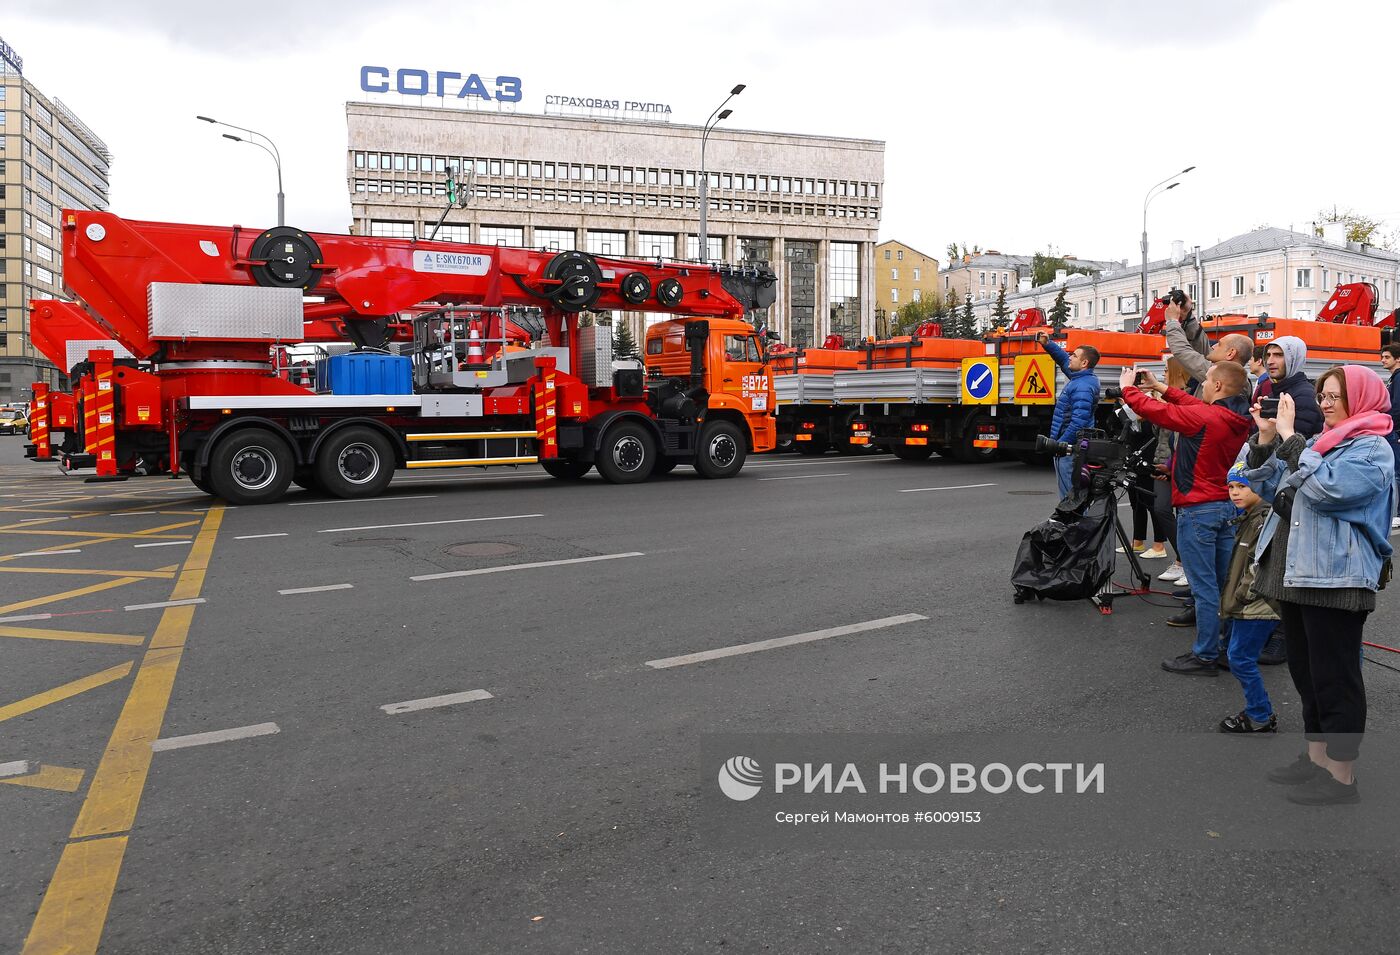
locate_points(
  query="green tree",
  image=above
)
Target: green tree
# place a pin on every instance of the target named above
(624, 345)
(1001, 315)
(1360, 228)
(1059, 312)
(956, 250)
(1045, 264)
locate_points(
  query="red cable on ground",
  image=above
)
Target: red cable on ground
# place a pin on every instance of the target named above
(1378, 646)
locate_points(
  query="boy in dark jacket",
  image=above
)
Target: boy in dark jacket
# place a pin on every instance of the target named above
(1284, 358)
(1075, 404)
(1211, 430)
(1253, 620)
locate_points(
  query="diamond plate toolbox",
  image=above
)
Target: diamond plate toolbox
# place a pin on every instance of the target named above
(76, 351)
(228, 312)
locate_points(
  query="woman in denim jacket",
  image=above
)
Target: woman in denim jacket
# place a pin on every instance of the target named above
(1321, 555)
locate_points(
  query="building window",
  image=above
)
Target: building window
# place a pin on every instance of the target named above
(555, 240)
(509, 235)
(899, 255)
(1214, 288)
(1261, 282)
(1191, 291)
(981, 278)
(843, 289)
(453, 233)
(918, 295)
(894, 295)
(607, 243)
(887, 255)
(894, 275)
(1239, 285)
(390, 229)
(715, 244)
(1304, 278)
(656, 245)
(1091, 307)
(916, 275)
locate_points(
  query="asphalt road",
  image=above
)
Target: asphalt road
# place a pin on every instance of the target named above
(554, 805)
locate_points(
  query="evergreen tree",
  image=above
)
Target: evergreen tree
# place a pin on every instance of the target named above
(624, 345)
(1001, 315)
(1059, 312)
(967, 323)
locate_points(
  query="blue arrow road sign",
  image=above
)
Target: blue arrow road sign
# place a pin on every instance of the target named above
(979, 380)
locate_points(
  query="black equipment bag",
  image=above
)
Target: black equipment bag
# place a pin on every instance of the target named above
(1070, 556)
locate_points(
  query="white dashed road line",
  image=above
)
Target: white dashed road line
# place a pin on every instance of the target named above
(165, 544)
(364, 500)
(777, 642)
(166, 603)
(316, 590)
(432, 702)
(806, 477)
(460, 520)
(18, 767)
(953, 487)
(253, 537)
(509, 567)
(46, 553)
(218, 736)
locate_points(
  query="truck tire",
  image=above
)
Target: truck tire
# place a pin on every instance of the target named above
(912, 452)
(202, 483)
(566, 470)
(354, 462)
(627, 454)
(721, 450)
(664, 466)
(963, 449)
(305, 478)
(250, 466)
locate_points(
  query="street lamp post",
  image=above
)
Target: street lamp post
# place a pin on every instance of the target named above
(1152, 194)
(270, 148)
(716, 117)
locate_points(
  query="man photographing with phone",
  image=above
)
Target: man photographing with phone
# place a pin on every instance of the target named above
(1211, 430)
(1075, 404)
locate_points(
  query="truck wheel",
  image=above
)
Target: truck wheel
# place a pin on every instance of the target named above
(963, 449)
(627, 455)
(202, 483)
(566, 470)
(721, 450)
(912, 452)
(251, 466)
(664, 466)
(354, 462)
(305, 478)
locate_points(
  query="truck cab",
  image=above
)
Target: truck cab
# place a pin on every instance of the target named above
(734, 374)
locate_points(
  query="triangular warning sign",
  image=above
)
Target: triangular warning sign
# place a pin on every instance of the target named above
(1032, 382)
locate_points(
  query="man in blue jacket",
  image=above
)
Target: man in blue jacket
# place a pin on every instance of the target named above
(1284, 358)
(1075, 404)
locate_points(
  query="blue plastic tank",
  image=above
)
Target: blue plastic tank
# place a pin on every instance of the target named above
(365, 373)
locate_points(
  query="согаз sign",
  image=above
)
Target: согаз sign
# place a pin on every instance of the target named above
(411, 82)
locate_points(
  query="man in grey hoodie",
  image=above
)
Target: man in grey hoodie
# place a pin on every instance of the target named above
(1284, 359)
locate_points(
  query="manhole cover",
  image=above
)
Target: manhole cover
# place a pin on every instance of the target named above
(483, 549)
(1028, 493)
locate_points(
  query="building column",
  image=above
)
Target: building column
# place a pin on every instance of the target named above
(822, 319)
(867, 289)
(781, 320)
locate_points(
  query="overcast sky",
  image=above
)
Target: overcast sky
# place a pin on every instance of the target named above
(1013, 124)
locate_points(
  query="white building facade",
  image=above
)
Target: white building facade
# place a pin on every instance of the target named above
(809, 206)
(1269, 271)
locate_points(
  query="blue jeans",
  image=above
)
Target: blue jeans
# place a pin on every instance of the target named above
(1395, 450)
(1247, 639)
(1204, 539)
(1064, 474)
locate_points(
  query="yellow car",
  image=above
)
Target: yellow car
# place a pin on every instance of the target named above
(14, 421)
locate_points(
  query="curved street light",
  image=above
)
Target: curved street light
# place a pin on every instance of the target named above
(719, 115)
(1153, 193)
(268, 147)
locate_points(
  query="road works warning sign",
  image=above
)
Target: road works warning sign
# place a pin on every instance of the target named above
(1035, 380)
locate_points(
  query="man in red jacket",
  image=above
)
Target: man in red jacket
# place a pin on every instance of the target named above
(1212, 430)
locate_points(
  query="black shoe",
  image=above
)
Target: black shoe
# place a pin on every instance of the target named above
(1182, 593)
(1188, 664)
(1187, 618)
(1222, 660)
(1299, 771)
(1241, 723)
(1323, 790)
(1275, 651)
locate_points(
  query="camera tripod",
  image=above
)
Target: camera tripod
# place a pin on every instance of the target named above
(1104, 598)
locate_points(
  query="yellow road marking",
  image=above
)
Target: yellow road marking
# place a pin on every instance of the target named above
(72, 636)
(80, 592)
(114, 535)
(64, 692)
(74, 909)
(84, 572)
(61, 778)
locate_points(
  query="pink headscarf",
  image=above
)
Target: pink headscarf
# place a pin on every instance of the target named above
(1368, 404)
